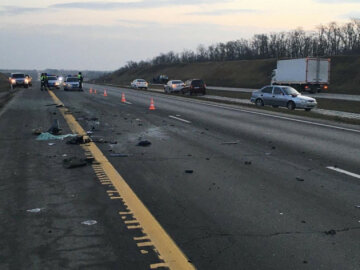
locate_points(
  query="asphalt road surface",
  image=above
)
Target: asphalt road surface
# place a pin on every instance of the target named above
(234, 188)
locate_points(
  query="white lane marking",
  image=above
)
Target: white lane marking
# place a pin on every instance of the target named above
(180, 119)
(264, 114)
(127, 102)
(344, 172)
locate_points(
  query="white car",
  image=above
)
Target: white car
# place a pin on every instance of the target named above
(53, 82)
(72, 83)
(174, 86)
(139, 84)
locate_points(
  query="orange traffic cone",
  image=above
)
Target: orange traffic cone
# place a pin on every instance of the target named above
(90, 91)
(105, 94)
(95, 91)
(123, 99)
(152, 106)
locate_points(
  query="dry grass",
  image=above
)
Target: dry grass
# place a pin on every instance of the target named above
(345, 73)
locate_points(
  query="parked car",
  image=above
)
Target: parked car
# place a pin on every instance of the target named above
(29, 78)
(174, 86)
(18, 79)
(139, 84)
(284, 96)
(72, 83)
(195, 86)
(53, 82)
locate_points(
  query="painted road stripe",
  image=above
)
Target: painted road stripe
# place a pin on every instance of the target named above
(172, 255)
(344, 172)
(180, 119)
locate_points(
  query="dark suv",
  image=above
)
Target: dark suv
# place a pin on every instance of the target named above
(195, 86)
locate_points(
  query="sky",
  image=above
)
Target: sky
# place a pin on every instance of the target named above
(104, 35)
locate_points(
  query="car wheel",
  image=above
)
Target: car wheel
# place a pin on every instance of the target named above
(308, 109)
(259, 102)
(291, 105)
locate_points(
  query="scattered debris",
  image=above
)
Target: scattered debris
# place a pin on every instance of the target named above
(207, 158)
(189, 171)
(113, 142)
(35, 210)
(52, 104)
(47, 136)
(98, 140)
(118, 155)
(281, 213)
(64, 155)
(144, 143)
(273, 147)
(89, 132)
(247, 162)
(268, 154)
(299, 179)
(94, 119)
(51, 144)
(89, 222)
(236, 142)
(303, 221)
(74, 162)
(357, 206)
(79, 139)
(305, 262)
(331, 232)
(59, 105)
(37, 131)
(55, 128)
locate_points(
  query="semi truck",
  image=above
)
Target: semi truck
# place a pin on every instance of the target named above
(305, 74)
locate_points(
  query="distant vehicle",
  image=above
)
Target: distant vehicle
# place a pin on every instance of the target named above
(161, 79)
(282, 96)
(195, 86)
(306, 74)
(139, 84)
(18, 79)
(29, 78)
(53, 82)
(174, 86)
(72, 83)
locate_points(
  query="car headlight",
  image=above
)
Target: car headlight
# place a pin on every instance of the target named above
(13, 81)
(56, 83)
(26, 81)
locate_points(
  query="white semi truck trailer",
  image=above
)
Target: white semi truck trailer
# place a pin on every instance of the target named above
(305, 74)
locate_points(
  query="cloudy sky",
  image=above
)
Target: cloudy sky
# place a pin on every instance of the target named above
(104, 35)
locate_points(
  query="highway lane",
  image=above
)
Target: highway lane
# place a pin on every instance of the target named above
(260, 195)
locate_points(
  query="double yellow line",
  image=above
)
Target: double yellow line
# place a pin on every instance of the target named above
(169, 252)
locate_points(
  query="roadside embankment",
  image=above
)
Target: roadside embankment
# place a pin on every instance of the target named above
(344, 77)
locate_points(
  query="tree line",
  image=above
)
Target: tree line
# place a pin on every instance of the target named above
(327, 40)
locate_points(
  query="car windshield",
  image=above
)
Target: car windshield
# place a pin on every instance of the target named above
(72, 80)
(177, 82)
(290, 91)
(52, 78)
(141, 80)
(197, 83)
(18, 76)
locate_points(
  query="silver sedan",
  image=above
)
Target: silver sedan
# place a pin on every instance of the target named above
(283, 96)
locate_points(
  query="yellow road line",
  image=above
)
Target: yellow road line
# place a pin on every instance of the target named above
(172, 255)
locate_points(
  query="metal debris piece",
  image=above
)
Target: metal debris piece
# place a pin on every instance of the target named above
(144, 143)
(89, 222)
(55, 128)
(37, 131)
(247, 162)
(235, 142)
(74, 162)
(331, 232)
(189, 171)
(35, 210)
(299, 179)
